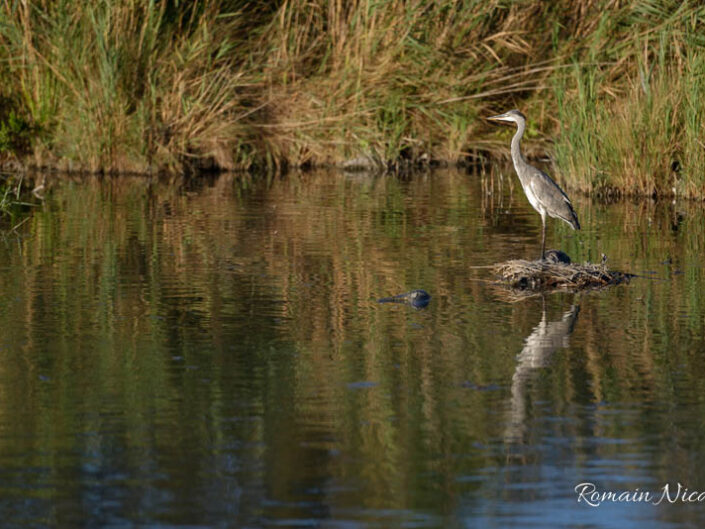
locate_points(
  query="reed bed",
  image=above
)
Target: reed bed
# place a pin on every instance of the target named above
(614, 90)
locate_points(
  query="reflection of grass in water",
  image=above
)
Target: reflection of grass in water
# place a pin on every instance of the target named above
(143, 272)
(15, 202)
(357, 256)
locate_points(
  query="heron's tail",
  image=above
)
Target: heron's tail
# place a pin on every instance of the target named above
(574, 218)
(568, 215)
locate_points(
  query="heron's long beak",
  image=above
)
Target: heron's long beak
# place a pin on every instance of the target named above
(500, 117)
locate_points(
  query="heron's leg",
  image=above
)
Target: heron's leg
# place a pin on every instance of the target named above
(543, 236)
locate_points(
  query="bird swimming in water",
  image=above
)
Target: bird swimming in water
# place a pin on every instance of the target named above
(543, 193)
(416, 298)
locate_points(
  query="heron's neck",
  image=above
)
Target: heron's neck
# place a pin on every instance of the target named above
(517, 157)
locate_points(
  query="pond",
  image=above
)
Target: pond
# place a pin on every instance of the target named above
(214, 355)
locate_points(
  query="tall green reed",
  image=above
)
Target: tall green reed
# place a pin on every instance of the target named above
(630, 117)
(123, 85)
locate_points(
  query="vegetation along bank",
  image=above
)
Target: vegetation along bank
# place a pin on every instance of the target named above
(614, 90)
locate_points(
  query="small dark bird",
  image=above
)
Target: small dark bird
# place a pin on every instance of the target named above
(557, 256)
(543, 193)
(415, 298)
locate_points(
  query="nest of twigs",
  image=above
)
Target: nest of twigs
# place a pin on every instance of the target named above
(546, 275)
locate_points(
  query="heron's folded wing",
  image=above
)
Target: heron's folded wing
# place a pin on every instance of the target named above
(552, 198)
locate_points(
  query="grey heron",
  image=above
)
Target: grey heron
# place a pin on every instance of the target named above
(543, 193)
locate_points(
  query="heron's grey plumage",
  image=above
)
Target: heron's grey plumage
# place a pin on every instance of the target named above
(543, 193)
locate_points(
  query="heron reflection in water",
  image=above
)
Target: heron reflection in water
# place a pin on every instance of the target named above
(543, 193)
(539, 346)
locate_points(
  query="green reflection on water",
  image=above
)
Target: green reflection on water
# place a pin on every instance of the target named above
(216, 355)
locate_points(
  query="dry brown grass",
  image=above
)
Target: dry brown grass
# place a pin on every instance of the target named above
(146, 86)
(544, 275)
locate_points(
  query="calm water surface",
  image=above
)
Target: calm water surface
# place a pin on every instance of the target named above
(214, 356)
